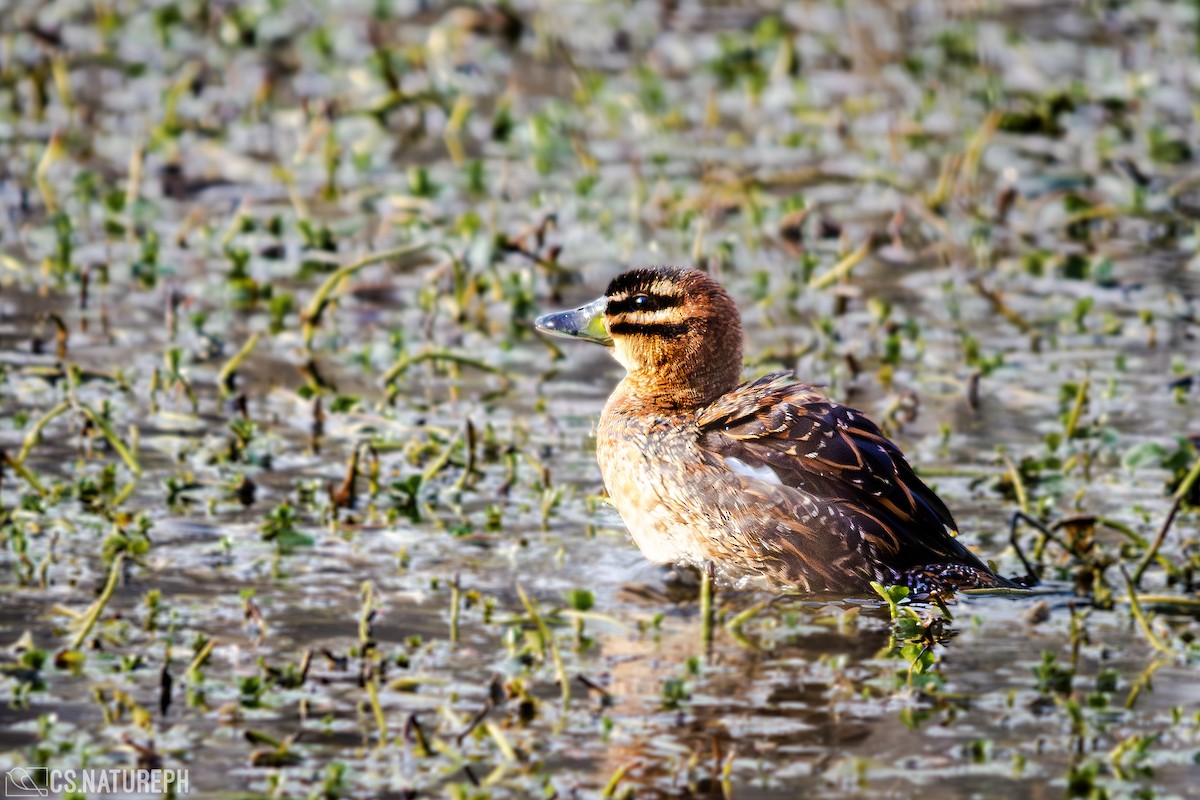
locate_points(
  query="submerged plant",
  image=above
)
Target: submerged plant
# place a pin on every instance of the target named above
(917, 632)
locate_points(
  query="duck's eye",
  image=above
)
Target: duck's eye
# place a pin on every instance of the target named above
(644, 302)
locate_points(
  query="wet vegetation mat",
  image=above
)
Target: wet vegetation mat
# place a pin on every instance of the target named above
(293, 497)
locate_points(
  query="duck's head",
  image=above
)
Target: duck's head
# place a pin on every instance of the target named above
(676, 331)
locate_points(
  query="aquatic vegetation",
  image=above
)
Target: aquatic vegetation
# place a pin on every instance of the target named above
(293, 497)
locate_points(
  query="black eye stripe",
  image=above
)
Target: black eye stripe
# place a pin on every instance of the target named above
(664, 329)
(644, 301)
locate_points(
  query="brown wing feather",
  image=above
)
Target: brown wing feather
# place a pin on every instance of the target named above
(833, 460)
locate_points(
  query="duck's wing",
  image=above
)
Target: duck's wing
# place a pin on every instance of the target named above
(837, 477)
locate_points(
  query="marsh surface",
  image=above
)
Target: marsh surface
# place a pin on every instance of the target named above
(976, 222)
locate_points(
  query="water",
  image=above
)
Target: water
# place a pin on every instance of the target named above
(649, 133)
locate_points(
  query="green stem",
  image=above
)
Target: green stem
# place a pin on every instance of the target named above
(842, 268)
(320, 301)
(364, 617)
(1018, 484)
(1143, 680)
(372, 686)
(735, 625)
(193, 669)
(1077, 408)
(405, 361)
(455, 603)
(610, 789)
(122, 450)
(443, 458)
(25, 474)
(469, 467)
(1136, 609)
(225, 376)
(706, 604)
(97, 608)
(560, 670)
(35, 433)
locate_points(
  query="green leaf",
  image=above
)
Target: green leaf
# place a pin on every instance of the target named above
(581, 599)
(1145, 454)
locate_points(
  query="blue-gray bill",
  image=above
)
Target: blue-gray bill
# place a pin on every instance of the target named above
(585, 322)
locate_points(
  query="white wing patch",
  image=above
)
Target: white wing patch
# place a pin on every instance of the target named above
(763, 473)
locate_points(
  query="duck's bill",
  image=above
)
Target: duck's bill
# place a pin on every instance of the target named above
(585, 322)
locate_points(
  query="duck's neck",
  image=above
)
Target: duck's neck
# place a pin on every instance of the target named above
(680, 388)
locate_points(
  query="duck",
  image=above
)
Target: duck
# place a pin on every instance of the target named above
(765, 482)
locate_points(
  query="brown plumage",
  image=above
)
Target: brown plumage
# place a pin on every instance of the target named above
(768, 479)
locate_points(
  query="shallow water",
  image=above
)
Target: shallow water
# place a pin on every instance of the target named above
(1008, 267)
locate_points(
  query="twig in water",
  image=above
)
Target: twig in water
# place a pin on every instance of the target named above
(1019, 516)
(1182, 491)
